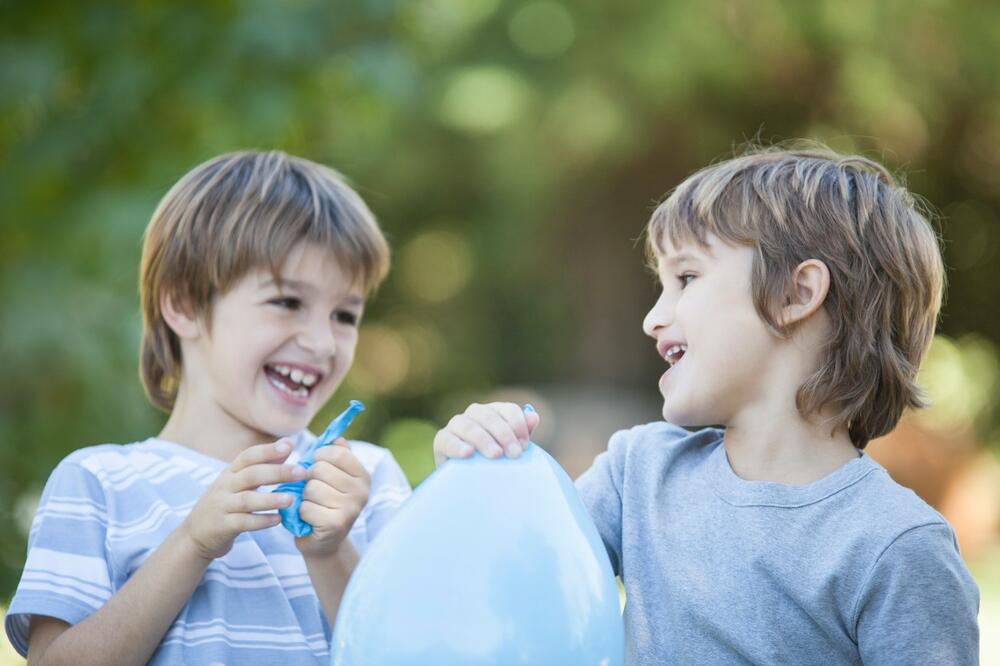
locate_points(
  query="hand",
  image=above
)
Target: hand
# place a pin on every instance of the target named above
(335, 494)
(230, 504)
(493, 429)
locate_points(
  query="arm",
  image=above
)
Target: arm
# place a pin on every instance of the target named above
(332, 500)
(329, 576)
(128, 628)
(600, 488)
(919, 603)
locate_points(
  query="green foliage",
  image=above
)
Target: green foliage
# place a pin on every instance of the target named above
(521, 142)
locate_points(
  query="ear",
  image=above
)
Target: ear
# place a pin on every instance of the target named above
(180, 320)
(808, 288)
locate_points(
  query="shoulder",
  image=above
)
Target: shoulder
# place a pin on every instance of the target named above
(661, 440)
(891, 509)
(97, 461)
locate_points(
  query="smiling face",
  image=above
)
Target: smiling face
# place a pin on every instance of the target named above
(718, 350)
(273, 355)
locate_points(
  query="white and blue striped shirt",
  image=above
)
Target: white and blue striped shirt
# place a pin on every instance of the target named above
(106, 508)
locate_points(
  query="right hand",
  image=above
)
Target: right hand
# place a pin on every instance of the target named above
(228, 507)
(493, 429)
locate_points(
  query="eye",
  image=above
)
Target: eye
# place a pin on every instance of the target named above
(346, 317)
(685, 278)
(289, 303)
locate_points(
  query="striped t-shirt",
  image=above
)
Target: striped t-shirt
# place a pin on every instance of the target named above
(106, 508)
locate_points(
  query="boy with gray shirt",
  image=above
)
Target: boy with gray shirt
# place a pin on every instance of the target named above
(801, 290)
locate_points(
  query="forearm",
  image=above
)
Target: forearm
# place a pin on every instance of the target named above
(329, 576)
(130, 626)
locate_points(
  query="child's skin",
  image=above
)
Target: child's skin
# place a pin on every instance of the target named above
(226, 406)
(735, 371)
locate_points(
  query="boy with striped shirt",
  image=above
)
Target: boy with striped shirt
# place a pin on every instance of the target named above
(254, 275)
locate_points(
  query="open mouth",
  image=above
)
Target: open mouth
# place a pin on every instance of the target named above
(294, 382)
(674, 354)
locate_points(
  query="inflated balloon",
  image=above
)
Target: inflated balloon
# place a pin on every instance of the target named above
(489, 562)
(290, 517)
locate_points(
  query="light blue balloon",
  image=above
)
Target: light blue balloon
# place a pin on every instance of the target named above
(489, 562)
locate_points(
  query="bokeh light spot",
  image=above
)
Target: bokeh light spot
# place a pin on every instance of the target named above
(436, 265)
(483, 99)
(542, 30)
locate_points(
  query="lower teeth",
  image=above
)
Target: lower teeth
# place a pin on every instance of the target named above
(298, 393)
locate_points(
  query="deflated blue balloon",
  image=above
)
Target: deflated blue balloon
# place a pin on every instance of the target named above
(489, 562)
(290, 517)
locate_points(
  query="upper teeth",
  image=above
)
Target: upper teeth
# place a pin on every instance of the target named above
(296, 375)
(673, 350)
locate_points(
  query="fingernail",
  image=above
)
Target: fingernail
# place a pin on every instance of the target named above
(286, 499)
(529, 408)
(298, 472)
(496, 452)
(465, 450)
(514, 450)
(282, 447)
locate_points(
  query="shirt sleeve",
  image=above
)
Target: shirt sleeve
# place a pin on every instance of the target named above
(600, 487)
(389, 489)
(919, 605)
(67, 574)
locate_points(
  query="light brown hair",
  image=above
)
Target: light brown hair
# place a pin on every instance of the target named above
(791, 204)
(233, 214)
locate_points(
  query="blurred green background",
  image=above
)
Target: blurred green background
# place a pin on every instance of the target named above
(513, 151)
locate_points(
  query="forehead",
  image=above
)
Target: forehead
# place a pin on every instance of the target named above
(309, 267)
(670, 253)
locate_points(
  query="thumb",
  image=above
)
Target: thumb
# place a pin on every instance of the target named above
(531, 417)
(340, 441)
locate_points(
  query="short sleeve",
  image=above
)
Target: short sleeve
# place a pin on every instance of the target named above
(389, 489)
(600, 487)
(67, 574)
(919, 605)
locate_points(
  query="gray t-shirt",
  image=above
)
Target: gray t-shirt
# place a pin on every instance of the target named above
(851, 569)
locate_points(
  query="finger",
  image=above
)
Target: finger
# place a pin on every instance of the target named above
(250, 522)
(335, 477)
(324, 494)
(344, 458)
(532, 418)
(262, 453)
(317, 515)
(491, 418)
(250, 501)
(471, 432)
(518, 422)
(265, 475)
(447, 445)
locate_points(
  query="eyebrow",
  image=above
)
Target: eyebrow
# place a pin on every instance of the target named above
(681, 257)
(307, 287)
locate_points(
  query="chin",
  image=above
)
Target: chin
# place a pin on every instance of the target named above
(688, 417)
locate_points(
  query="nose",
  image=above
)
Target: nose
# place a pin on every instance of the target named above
(658, 316)
(317, 338)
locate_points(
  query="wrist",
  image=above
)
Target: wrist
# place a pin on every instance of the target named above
(188, 546)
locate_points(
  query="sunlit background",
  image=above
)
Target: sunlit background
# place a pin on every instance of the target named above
(513, 152)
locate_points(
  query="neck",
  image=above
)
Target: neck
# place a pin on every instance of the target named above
(776, 444)
(201, 425)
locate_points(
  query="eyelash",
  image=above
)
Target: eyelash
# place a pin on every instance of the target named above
(345, 317)
(288, 303)
(682, 276)
(294, 304)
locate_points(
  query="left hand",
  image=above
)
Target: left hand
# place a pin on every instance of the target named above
(336, 491)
